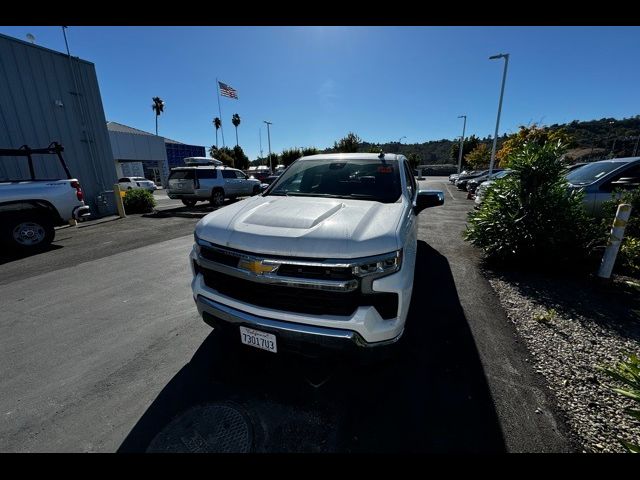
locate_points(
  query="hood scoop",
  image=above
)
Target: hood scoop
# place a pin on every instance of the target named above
(293, 213)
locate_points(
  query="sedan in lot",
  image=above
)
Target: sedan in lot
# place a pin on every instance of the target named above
(599, 180)
(130, 183)
(474, 183)
(462, 180)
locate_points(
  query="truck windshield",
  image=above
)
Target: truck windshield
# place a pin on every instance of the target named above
(364, 179)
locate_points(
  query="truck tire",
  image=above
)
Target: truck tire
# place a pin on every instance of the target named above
(29, 232)
(217, 197)
(189, 203)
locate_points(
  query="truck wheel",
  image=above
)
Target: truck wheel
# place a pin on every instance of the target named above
(189, 203)
(30, 233)
(217, 198)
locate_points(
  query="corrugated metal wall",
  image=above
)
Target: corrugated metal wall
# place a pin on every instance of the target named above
(40, 102)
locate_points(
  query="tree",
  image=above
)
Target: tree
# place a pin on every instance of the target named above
(310, 151)
(217, 123)
(469, 144)
(414, 160)
(287, 157)
(158, 107)
(213, 151)
(236, 121)
(479, 157)
(532, 134)
(272, 160)
(240, 160)
(226, 156)
(348, 144)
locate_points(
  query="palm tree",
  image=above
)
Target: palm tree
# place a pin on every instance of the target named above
(217, 123)
(158, 107)
(236, 121)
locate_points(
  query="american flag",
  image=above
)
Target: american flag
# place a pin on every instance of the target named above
(227, 91)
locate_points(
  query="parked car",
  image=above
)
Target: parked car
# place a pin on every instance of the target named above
(324, 260)
(211, 183)
(130, 183)
(473, 183)
(598, 180)
(574, 166)
(268, 181)
(481, 190)
(259, 172)
(461, 181)
(454, 176)
(30, 208)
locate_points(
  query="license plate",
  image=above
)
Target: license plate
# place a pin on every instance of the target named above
(258, 339)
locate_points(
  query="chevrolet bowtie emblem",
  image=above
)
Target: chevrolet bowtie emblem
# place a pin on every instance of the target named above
(256, 266)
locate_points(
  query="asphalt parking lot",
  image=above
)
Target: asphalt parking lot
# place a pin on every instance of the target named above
(101, 349)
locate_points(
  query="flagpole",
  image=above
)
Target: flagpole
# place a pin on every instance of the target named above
(220, 111)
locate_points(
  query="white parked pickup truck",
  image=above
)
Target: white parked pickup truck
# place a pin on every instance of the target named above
(323, 259)
(31, 208)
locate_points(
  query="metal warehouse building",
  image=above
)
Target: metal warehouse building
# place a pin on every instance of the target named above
(47, 96)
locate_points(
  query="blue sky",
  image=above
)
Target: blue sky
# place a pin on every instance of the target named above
(318, 83)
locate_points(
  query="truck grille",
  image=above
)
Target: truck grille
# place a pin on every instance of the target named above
(299, 300)
(230, 258)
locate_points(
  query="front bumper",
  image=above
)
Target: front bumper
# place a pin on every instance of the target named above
(364, 328)
(292, 337)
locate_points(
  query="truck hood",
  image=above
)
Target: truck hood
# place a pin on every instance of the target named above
(305, 226)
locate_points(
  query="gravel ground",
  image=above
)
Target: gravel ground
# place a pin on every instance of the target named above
(570, 326)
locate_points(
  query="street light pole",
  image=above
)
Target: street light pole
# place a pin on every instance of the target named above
(613, 145)
(400, 142)
(464, 126)
(504, 78)
(269, 137)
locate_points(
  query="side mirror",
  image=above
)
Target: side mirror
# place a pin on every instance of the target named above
(428, 198)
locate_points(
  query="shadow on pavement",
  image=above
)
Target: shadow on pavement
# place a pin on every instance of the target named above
(431, 397)
(12, 256)
(197, 211)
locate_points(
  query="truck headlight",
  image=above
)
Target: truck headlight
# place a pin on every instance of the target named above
(379, 266)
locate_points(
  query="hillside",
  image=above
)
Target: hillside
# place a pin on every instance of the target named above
(592, 140)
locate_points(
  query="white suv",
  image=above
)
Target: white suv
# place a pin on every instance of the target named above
(209, 183)
(324, 258)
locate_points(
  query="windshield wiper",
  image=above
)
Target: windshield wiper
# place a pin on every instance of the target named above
(305, 194)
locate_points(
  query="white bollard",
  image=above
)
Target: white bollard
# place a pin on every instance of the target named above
(615, 238)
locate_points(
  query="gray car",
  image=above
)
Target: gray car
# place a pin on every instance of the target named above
(598, 180)
(210, 183)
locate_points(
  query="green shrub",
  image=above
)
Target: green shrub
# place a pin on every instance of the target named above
(610, 207)
(531, 216)
(139, 201)
(627, 372)
(629, 256)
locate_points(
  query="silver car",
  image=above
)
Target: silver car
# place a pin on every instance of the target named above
(210, 183)
(598, 180)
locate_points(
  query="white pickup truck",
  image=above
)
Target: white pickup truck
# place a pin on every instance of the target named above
(31, 208)
(323, 259)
